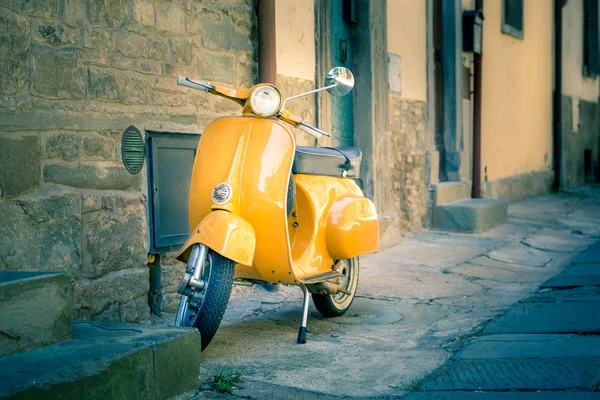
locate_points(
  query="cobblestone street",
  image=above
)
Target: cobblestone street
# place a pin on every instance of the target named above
(415, 328)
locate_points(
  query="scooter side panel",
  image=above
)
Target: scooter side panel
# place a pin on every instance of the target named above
(254, 156)
(352, 227)
(315, 196)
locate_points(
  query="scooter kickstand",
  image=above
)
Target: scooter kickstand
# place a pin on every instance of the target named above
(302, 332)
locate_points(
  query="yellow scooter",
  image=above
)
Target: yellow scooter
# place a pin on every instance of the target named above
(262, 209)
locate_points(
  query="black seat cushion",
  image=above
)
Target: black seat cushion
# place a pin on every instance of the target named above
(328, 161)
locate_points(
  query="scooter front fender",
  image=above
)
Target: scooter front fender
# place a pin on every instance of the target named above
(226, 233)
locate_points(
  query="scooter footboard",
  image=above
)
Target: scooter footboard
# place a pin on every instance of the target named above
(352, 228)
(226, 233)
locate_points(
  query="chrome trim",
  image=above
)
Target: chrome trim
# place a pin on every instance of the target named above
(193, 258)
(305, 306)
(197, 284)
(322, 277)
(307, 93)
(243, 282)
(220, 187)
(199, 266)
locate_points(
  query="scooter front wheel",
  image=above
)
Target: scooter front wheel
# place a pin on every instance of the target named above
(334, 305)
(204, 308)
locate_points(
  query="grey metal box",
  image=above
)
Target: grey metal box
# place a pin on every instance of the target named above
(170, 158)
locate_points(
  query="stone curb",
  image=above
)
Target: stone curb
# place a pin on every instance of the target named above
(106, 361)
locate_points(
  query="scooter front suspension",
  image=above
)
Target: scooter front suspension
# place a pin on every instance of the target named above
(191, 279)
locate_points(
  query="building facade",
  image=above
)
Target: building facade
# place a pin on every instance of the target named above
(429, 116)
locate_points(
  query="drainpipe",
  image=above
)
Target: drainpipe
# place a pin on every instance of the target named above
(267, 63)
(477, 72)
(155, 294)
(557, 109)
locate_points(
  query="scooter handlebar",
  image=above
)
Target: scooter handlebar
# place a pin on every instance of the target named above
(198, 85)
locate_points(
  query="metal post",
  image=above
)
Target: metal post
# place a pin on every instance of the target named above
(155, 276)
(302, 332)
(557, 111)
(267, 62)
(477, 73)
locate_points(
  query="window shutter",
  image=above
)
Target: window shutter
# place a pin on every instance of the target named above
(591, 51)
(512, 18)
(513, 12)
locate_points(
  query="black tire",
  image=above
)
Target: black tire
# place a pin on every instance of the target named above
(207, 315)
(335, 305)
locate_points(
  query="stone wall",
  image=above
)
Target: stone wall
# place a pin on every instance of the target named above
(406, 202)
(73, 75)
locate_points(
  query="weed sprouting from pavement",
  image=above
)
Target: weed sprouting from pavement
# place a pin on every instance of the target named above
(414, 385)
(224, 382)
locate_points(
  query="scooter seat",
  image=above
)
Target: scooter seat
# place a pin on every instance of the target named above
(340, 161)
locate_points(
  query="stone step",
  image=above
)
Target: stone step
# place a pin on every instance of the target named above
(471, 216)
(35, 310)
(449, 192)
(106, 361)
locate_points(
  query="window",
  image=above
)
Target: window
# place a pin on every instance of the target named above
(512, 18)
(591, 52)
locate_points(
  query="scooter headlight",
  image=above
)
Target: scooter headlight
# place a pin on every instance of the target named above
(265, 101)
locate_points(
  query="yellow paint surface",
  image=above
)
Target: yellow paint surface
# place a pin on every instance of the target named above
(254, 157)
(574, 83)
(517, 92)
(329, 225)
(407, 37)
(295, 28)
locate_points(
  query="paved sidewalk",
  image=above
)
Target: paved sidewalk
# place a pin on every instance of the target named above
(547, 342)
(414, 328)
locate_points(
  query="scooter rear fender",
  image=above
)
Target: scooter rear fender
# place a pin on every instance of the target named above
(226, 233)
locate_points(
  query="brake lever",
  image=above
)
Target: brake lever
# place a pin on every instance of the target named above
(314, 128)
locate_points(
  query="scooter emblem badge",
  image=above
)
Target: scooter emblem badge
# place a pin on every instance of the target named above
(221, 193)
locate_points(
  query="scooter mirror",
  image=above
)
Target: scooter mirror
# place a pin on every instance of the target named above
(342, 78)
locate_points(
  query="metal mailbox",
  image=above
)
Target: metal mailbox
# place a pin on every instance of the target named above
(472, 27)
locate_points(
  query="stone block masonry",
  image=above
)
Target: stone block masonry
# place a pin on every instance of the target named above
(404, 203)
(73, 75)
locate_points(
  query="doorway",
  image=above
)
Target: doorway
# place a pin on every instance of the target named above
(352, 33)
(438, 73)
